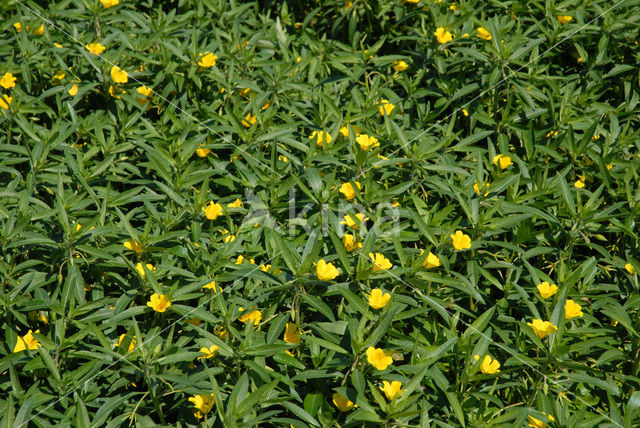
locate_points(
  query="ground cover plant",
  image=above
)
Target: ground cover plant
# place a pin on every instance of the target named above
(319, 213)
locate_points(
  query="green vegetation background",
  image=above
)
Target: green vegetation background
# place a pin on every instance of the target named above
(560, 99)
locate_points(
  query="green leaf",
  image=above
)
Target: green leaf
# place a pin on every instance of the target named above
(301, 413)
(24, 413)
(566, 194)
(477, 326)
(383, 325)
(50, 363)
(312, 403)
(323, 343)
(616, 312)
(317, 303)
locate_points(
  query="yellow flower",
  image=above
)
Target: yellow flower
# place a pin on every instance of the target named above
(283, 158)
(366, 142)
(431, 261)
(112, 92)
(132, 344)
(17, 26)
(461, 241)
(229, 238)
(348, 191)
(541, 328)
(378, 358)
(244, 92)
(144, 91)
(609, 166)
(235, 204)
(266, 105)
(342, 403)
(118, 75)
(8, 81)
(629, 267)
(399, 65)
(73, 90)
(253, 316)
(344, 130)
(547, 290)
(350, 222)
(207, 60)
(202, 403)
(209, 352)
(326, 271)
(378, 299)
(465, 112)
(202, 152)
(349, 242)
(380, 262)
(5, 101)
(484, 34)
(212, 286)
(391, 390)
(476, 188)
(572, 310)
(489, 365)
(95, 48)
(159, 302)
(27, 342)
(220, 331)
(59, 75)
(412, 1)
(579, 184)
(212, 211)
(536, 423)
(140, 269)
(249, 119)
(240, 259)
(502, 161)
(291, 333)
(133, 246)
(385, 107)
(265, 268)
(564, 19)
(108, 3)
(42, 318)
(442, 35)
(243, 45)
(37, 316)
(39, 31)
(320, 137)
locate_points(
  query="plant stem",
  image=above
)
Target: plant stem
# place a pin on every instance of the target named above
(156, 404)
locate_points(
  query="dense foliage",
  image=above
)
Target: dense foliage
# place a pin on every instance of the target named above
(179, 184)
